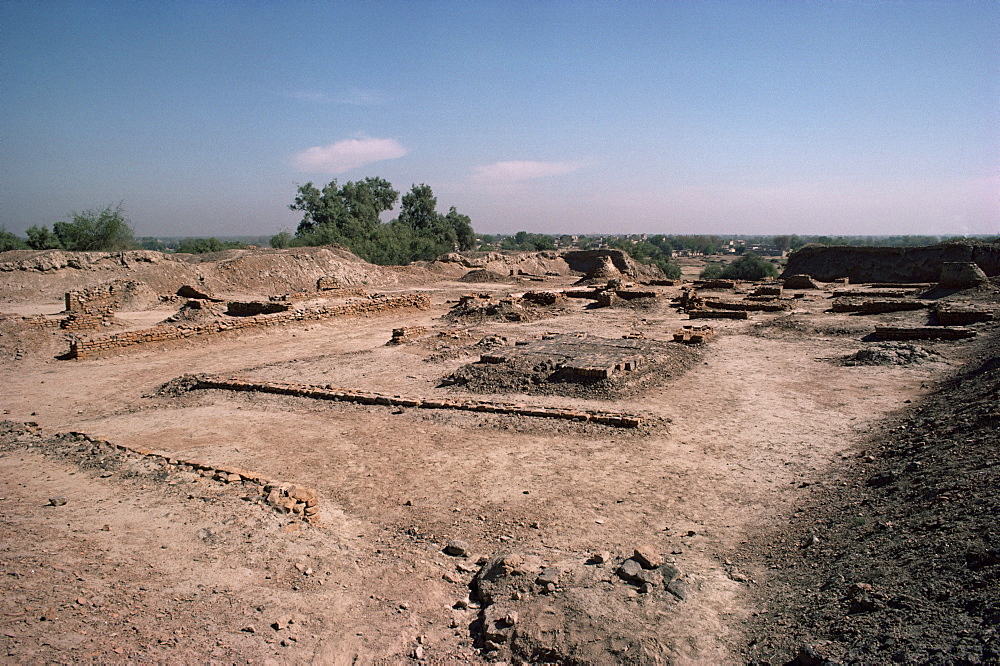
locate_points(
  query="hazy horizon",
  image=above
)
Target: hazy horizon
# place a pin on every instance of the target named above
(202, 118)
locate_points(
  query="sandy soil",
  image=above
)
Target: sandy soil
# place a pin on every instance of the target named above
(142, 565)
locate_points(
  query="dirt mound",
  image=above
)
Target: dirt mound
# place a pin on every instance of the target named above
(595, 618)
(259, 271)
(480, 309)
(570, 365)
(500, 263)
(482, 275)
(891, 354)
(900, 564)
(890, 264)
(605, 264)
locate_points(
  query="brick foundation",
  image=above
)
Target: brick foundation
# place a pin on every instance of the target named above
(92, 346)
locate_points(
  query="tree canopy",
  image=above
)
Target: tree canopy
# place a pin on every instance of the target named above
(104, 229)
(350, 215)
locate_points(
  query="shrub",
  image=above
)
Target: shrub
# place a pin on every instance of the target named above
(749, 267)
(711, 272)
(8, 241)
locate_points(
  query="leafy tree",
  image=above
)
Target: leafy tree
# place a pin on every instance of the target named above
(105, 229)
(40, 238)
(8, 241)
(465, 235)
(749, 267)
(350, 215)
(280, 240)
(418, 209)
(525, 241)
(712, 271)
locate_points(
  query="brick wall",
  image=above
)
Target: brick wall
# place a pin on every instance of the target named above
(83, 347)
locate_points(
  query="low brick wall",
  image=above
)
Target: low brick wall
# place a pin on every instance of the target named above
(616, 419)
(290, 498)
(108, 296)
(92, 346)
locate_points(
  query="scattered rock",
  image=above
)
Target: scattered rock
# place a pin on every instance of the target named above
(648, 557)
(57, 501)
(457, 548)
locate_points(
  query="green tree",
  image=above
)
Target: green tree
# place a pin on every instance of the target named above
(749, 267)
(9, 241)
(418, 209)
(106, 229)
(40, 238)
(350, 215)
(280, 240)
(711, 271)
(465, 235)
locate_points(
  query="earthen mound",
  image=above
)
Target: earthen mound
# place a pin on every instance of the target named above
(602, 265)
(892, 354)
(482, 275)
(890, 264)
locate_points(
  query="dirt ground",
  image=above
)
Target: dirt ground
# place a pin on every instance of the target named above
(121, 560)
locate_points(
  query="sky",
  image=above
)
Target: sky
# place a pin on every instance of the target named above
(684, 117)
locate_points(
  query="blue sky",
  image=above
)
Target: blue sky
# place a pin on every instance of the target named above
(552, 117)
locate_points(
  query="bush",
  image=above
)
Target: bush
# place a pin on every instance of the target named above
(711, 272)
(749, 267)
(106, 230)
(8, 241)
(205, 245)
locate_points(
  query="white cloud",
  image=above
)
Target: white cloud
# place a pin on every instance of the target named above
(513, 172)
(347, 154)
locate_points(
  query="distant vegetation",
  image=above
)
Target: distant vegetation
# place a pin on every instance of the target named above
(747, 267)
(349, 215)
(104, 229)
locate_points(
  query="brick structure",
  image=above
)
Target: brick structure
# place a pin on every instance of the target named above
(405, 334)
(328, 392)
(85, 347)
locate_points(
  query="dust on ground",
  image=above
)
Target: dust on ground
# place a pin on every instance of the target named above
(763, 425)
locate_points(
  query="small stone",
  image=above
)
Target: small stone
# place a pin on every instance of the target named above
(418, 652)
(233, 478)
(679, 589)
(647, 557)
(670, 573)
(629, 570)
(600, 557)
(548, 576)
(57, 501)
(457, 548)
(249, 630)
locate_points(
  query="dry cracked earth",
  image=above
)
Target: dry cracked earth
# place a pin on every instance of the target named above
(777, 504)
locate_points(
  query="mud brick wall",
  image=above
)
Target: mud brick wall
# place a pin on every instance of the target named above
(85, 320)
(290, 498)
(328, 392)
(41, 321)
(106, 296)
(86, 347)
(401, 335)
(543, 297)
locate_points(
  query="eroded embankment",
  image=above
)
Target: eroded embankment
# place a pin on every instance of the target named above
(901, 564)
